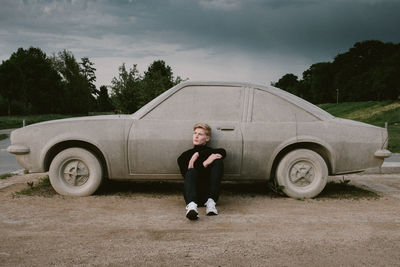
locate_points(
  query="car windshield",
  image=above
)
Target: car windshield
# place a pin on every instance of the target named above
(153, 103)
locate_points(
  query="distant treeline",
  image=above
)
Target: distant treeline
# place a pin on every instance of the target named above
(370, 70)
(33, 83)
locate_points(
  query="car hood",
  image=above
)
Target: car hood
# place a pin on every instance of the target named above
(80, 119)
(70, 126)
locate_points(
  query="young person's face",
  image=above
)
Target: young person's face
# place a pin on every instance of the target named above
(200, 137)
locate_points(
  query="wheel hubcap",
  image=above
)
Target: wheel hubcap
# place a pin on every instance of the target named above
(76, 173)
(301, 173)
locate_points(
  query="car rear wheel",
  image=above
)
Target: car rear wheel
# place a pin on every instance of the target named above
(303, 173)
(75, 172)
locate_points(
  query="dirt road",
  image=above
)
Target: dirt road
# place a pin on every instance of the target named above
(149, 228)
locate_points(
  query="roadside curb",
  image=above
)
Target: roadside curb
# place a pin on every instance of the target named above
(390, 169)
(391, 165)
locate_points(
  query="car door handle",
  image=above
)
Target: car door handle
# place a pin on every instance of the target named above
(226, 128)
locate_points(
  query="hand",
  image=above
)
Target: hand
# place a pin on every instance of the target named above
(210, 159)
(193, 159)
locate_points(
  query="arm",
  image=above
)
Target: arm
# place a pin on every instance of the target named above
(187, 160)
(211, 159)
(183, 161)
(192, 160)
(207, 157)
(220, 151)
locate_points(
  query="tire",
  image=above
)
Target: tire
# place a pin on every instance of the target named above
(303, 173)
(75, 172)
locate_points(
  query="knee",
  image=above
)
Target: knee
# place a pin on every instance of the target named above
(192, 172)
(218, 162)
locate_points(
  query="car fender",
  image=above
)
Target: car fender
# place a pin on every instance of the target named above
(68, 137)
(299, 140)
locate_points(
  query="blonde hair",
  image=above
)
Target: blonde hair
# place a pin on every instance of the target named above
(203, 126)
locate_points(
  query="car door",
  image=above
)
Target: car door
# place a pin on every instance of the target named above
(158, 138)
(271, 122)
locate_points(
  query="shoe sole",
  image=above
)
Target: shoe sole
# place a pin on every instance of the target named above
(192, 215)
(211, 213)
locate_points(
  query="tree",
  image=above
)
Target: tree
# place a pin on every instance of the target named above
(317, 83)
(88, 72)
(11, 82)
(157, 79)
(130, 91)
(77, 91)
(103, 100)
(33, 84)
(289, 82)
(370, 70)
(125, 89)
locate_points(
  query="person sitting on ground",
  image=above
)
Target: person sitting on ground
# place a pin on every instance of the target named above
(202, 168)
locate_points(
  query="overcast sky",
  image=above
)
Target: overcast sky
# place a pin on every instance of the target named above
(226, 40)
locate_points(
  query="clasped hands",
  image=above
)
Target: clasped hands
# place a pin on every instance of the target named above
(207, 162)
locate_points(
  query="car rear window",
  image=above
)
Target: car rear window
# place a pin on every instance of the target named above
(268, 107)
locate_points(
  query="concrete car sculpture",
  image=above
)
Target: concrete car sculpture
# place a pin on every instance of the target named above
(267, 132)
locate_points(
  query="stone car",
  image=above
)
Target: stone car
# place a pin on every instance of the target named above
(267, 133)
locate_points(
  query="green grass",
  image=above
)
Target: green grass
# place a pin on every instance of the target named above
(344, 190)
(6, 175)
(43, 188)
(372, 112)
(11, 122)
(376, 113)
(394, 138)
(3, 136)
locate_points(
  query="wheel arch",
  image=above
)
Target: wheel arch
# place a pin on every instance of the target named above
(57, 148)
(322, 150)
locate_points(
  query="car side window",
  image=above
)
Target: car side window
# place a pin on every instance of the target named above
(201, 103)
(271, 108)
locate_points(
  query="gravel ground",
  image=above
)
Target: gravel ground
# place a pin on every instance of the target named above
(149, 228)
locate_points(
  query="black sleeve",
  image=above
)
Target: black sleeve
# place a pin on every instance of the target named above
(203, 155)
(183, 161)
(220, 151)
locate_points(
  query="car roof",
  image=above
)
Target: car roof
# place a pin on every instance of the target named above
(297, 101)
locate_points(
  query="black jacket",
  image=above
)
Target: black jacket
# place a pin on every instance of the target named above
(204, 153)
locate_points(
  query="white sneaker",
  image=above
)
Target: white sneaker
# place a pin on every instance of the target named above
(210, 207)
(191, 211)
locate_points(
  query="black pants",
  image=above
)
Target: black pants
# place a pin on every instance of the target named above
(198, 188)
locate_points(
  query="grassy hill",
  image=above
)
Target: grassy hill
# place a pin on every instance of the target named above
(372, 112)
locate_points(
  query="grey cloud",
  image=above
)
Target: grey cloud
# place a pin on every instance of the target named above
(312, 29)
(309, 27)
(279, 4)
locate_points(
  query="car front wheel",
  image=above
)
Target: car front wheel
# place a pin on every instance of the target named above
(75, 172)
(303, 173)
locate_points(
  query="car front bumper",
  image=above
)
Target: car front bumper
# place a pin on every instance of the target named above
(18, 149)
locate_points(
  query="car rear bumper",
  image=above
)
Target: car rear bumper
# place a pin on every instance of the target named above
(382, 153)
